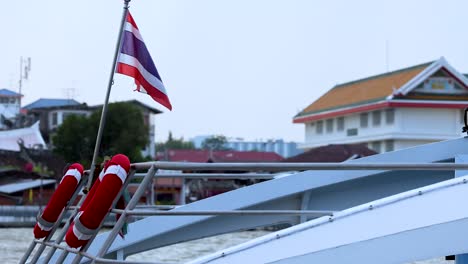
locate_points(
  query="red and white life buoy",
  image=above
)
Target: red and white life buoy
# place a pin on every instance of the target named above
(58, 201)
(95, 186)
(88, 220)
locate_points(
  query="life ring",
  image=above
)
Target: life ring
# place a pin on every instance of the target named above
(95, 186)
(58, 201)
(87, 221)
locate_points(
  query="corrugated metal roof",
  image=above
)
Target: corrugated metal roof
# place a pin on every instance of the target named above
(9, 93)
(24, 185)
(45, 103)
(364, 90)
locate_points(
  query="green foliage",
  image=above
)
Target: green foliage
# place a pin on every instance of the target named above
(124, 132)
(217, 142)
(172, 143)
(72, 140)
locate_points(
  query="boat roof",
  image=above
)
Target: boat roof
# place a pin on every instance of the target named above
(24, 185)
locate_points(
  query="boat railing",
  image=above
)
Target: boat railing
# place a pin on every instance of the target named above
(262, 171)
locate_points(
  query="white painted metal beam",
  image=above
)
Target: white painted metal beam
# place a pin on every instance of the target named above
(419, 224)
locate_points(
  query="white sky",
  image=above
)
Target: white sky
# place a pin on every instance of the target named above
(239, 68)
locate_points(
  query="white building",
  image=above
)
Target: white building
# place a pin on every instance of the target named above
(279, 146)
(53, 112)
(391, 111)
(9, 107)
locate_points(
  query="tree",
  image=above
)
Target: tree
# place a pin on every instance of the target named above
(172, 143)
(217, 142)
(72, 140)
(124, 132)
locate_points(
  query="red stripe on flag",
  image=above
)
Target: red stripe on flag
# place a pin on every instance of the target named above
(152, 91)
(131, 21)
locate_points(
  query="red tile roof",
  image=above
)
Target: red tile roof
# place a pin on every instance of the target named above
(218, 156)
(364, 90)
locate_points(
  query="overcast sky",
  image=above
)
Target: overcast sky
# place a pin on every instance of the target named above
(239, 68)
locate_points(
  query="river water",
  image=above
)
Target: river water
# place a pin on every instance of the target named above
(15, 241)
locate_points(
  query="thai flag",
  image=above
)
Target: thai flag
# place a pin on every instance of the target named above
(135, 61)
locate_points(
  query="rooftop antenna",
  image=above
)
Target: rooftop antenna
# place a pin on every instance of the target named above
(24, 73)
(70, 93)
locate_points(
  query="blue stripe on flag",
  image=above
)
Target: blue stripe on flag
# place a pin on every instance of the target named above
(137, 49)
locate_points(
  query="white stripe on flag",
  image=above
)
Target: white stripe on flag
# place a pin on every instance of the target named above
(130, 28)
(153, 80)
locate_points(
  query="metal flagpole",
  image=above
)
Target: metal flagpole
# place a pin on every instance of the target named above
(109, 86)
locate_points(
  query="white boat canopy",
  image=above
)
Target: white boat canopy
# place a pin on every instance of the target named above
(31, 137)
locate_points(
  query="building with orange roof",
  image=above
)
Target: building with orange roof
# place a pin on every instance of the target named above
(404, 108)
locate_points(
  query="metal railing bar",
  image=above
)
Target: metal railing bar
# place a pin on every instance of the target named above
(213, 175)
(149, 207)
(62, 215)
(84, 248)
(62, 247)
(71, 250)
(157, 207)
(230, 212)
(28, 252)
(65, 229)
(89, 256)
(103, 260)
(288, 166)
(130, 206)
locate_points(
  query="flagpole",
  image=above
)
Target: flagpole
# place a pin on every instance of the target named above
(106, 102)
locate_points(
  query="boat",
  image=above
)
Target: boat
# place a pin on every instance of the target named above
(354, 212)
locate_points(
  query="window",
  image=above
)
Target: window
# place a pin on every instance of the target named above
(54, 119)
(319, 127)
(376, 146)
(376, 118)
(310, 126)
(390, 116)
(352, 132)
(340, 123)
(389, 145)
(364, 119)
(329, 125)
(462, 116)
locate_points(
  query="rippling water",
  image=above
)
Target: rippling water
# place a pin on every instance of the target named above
(15, 241)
